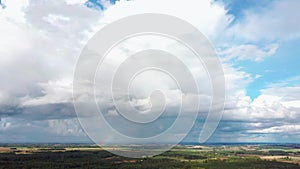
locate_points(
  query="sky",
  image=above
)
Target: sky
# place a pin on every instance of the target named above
(257, 42)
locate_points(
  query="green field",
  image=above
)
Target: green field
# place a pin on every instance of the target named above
(192, 157)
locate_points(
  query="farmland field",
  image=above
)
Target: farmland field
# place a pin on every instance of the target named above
(184, 156)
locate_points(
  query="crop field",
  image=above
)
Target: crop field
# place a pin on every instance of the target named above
(192, 157)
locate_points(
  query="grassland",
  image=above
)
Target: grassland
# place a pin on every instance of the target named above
(192, 157)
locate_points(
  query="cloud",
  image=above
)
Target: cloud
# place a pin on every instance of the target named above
(286, 93)
(39, 45)
(41, 40)
(52, 35)
(195, 12)
(255, 36)
(273, 103)
(249, 52)
(39, 112)
(291, 129)
(271, 117)
(66, 127)
(4, 125)
(53, 92)
(277, 21)
(14, 130)
(3, 6)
